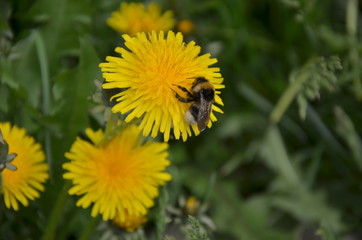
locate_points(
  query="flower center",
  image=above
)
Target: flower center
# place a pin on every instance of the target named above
(116, 167)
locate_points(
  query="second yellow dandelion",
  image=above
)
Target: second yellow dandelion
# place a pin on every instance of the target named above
(132, 18)
(120, 178)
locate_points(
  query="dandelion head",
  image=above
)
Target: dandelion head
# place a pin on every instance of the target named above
(132, 18)
(26, 181)
(153, 70)
(119, 177)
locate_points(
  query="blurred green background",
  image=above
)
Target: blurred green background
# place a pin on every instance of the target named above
(284, 161)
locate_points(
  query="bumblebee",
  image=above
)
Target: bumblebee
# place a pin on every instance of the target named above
(203, 95)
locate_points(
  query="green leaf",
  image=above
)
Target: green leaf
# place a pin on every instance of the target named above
(327, 232)
(63, 22)
(290, 191)
(24, 71)
(251, 218)
(7, 76)
(347, 131)
(324, 132)
(73, 90)
(308, 206)
(4, 107)
(275, 154)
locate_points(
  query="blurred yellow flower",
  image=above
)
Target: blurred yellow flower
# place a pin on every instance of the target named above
(130, 223)
(132, 18)
(151, 70)
(119, 177)
(186, 26)
(31, 170)
(192, 205)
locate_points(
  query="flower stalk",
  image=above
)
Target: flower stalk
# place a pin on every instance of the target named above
(56, 213)
(352, 27)
(45, 82)
(87, 232)
(287, 98)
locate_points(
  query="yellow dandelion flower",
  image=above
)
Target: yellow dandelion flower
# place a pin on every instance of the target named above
(31, 170)
(130, 223)
(153, 70)
(132, 18)
(118, 177)
(186, 26)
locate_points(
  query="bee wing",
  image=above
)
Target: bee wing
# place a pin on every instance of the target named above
(204, 114)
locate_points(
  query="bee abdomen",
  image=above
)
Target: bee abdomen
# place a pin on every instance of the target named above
(192, 113)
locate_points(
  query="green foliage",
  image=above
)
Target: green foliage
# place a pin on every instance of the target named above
(346, 129)
(169, 238)
(305, 85)
(282, 162)
(196, 232)
(317, 74)
(326, 232)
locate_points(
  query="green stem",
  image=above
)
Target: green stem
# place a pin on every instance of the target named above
(287, 98)
(45, 81)
(56, 213)
(89, 229)
(111, 129)
(351, 25)
(161, 218)
(111, 124)
(352, 17)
